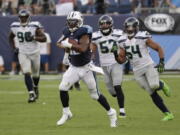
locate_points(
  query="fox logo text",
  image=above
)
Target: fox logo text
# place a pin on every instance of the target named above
(159, 22)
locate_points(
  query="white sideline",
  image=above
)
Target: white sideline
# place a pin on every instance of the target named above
(57, 77)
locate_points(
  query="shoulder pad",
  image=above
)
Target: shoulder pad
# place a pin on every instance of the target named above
(88, 28)
(84, 30)
(35, 24)
(122, 39)
(143, 35)
(15, 24)
(117, 31)
(96, 35)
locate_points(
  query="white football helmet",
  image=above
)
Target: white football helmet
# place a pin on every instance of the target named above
(74, 20)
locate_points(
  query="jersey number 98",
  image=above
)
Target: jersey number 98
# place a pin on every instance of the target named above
(27, 36)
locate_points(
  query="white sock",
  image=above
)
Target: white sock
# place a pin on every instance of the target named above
(122, 110)
(109, 112)
(31, 92)
(66, 109)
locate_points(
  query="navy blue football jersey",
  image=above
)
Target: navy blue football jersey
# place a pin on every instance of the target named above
(76, 58)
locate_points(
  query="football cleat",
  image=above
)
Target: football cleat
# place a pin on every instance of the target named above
(113, 118)
(122, 115)
(12, 73)
(166, 89)
(32, 98)
(66, 116)
(168, 116)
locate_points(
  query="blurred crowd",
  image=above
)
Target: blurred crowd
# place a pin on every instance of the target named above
(62, 7)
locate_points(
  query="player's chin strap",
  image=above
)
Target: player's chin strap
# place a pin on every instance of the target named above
(96, 69)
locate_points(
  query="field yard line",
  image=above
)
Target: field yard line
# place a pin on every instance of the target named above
(55, 77)
(58, 77)
(48, 85)
(12, 92)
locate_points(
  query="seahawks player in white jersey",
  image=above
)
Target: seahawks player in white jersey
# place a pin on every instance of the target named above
(134, 46)
(105, 40)
(28, 33)
(77, 38)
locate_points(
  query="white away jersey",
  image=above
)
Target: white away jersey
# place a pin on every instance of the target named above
(24, 34)
(137, 50)
(44, 48)
(1, 61)
(105, 44)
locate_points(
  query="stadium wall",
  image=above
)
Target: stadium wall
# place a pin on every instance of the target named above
(54, 25)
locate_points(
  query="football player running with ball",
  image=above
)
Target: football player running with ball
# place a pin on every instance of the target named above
(134, 46)
(77, 37)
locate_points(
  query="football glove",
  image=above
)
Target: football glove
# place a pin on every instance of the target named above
(160, 66)
(115, 50)
(66, 44)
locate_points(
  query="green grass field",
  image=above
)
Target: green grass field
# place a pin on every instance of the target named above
(17, 117)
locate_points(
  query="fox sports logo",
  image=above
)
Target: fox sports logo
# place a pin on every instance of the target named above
(159, 22)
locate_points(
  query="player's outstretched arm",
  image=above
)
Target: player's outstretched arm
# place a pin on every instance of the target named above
(155, 47)
(40, 36)
(158, 48)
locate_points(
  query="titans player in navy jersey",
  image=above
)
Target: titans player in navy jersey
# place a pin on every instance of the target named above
(77, 38)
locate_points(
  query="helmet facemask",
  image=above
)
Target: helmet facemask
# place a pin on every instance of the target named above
(74, 21)
(131, 31)
(105, 27)
(131, 26)
(24, 20)
(73, 24)
(105, 24)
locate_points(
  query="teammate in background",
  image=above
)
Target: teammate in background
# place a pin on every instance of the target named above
(105, 40)
(134, 46)
(77, 37)
(66, 66)
(15, 62)
(1, 65)
(28, 33)
(45, 51)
